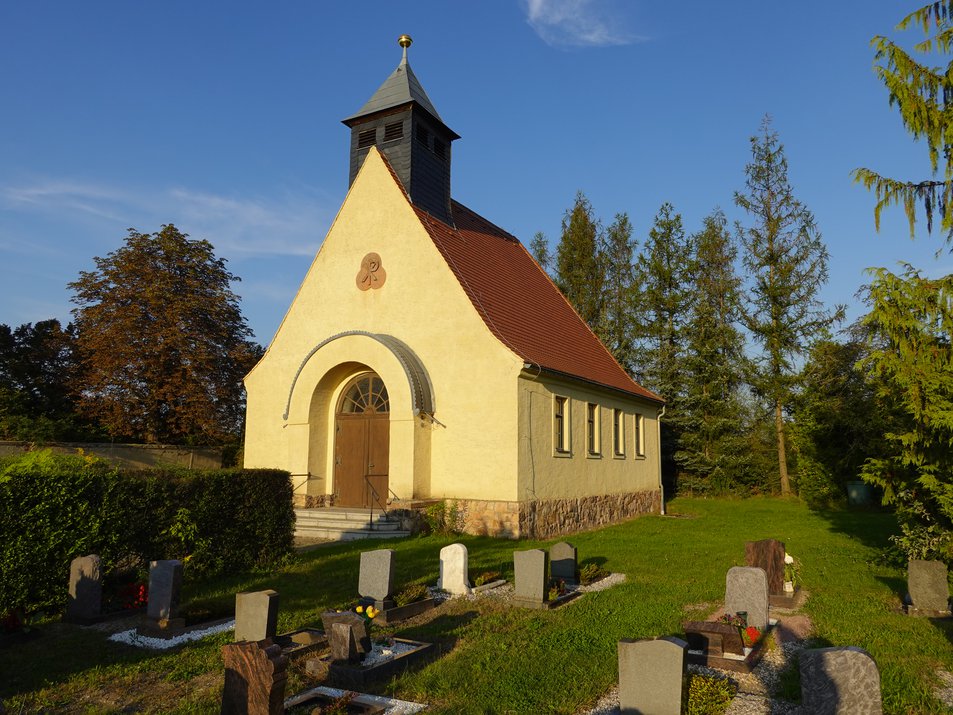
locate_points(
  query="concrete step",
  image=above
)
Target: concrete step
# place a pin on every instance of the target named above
(346, 524)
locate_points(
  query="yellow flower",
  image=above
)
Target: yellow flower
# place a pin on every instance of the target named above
(360, 609)
(371, 611)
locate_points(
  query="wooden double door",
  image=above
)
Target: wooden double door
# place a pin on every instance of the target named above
(362, 443)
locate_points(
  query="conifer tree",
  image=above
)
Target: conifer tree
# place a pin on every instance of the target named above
(579, 261)
(618, 329)
(787, 264)
(712, 450)
(539, 249)
(924, 97)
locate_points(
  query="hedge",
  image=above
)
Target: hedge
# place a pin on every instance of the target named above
(54, 508)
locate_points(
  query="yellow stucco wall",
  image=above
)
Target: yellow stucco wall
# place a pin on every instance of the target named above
(545, 473)
(470, 451)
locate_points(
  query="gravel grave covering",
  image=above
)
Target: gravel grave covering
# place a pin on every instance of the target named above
(132, 637)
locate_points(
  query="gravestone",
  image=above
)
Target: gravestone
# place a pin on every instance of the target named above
(562, 562)
(529, 574)
(841, 681)
(376, 580)
(255, 677)
(454, 570)
(746, 589)
(85, 589)
(362, 634)
(768, 554)
(343, 644)
(165, 585)
(714, 638)
(928, 587)
(652, 676)
(256, 615)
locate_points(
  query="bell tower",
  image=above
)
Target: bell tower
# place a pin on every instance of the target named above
(400, 120)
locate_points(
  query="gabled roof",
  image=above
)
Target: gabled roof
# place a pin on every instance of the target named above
(520, 304)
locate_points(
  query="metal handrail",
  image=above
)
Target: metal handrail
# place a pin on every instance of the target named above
(377, 498)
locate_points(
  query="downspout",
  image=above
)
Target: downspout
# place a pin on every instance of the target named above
(658, 449)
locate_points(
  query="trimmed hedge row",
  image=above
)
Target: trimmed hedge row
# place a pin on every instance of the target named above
(54, 508)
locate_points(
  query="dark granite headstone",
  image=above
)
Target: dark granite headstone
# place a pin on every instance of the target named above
(165, 584)
(839, 681)
(746, 589)
(256, 615)
(376, 580)
(362, 635)
(85, 589)
(529, 574)
(255, 677)
(652, 676)
(714, 638)
(343, 645)
(928, 586)
(768, 555)
(562, 562)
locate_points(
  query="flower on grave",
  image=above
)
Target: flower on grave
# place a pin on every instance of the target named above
(733, 620)
(134, 595)
(557, 588)
(751, 635)
(368, 613)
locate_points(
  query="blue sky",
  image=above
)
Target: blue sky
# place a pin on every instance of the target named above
(224, 119)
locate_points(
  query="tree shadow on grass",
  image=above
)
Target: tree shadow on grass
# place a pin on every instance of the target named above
(442, 631)
(897, 585)
(872, 527)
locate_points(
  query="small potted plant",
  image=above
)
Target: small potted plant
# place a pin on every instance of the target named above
(792, 576)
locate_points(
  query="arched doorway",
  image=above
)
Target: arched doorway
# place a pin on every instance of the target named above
(362, 443)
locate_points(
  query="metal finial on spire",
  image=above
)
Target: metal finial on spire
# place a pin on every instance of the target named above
(405, 41)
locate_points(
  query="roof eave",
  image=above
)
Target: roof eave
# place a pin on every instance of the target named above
(533, 370)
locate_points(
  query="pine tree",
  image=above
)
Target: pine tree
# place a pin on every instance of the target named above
(579, 261)
(620, 289)
(787, 263)
(163, 343)
(712, 451)
(924, 97)
(539, 249)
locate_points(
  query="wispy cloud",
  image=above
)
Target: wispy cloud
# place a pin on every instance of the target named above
(291, 223)
(578, 23)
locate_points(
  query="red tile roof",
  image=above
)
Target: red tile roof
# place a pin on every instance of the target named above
(520, 304)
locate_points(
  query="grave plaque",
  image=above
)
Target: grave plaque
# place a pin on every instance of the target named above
(928, 586)
(255, 676)
(454, 570)
(746, 589)
(343, 645)
(256, 615)
(165, 583)
(562, 562)
(714, 638)
(652, 676)
(85, 589)
(839, 681)
(529, 571)
(376, 578)
(362, 635)
(768, 555)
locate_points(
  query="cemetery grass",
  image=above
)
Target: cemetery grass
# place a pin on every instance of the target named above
(501, 659)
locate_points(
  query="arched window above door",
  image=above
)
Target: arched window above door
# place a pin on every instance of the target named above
(365, 394)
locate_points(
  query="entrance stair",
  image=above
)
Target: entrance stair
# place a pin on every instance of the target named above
(346, 524)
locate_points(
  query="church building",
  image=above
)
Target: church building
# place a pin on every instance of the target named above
(427, 356)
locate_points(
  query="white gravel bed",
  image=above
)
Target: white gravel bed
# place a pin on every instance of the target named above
(394, 706)
(379, 653)
(132, 637)
(506, 591)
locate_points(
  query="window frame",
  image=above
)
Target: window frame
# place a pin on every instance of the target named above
(639, 436)
(562, 423)
(618, 433)
(593, 430)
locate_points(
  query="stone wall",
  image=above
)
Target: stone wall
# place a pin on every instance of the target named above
(556, 517)
(312, 501)
(130, 456)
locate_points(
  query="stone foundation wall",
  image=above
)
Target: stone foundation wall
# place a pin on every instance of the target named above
(312, 501)
(556, 517)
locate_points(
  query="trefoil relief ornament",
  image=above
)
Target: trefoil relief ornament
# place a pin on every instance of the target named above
(372, 273)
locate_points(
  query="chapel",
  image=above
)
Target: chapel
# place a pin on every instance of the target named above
(427, 356)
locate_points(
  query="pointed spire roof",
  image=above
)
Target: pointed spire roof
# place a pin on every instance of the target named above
(400, 88)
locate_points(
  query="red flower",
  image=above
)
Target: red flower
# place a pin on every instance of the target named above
(751, 635)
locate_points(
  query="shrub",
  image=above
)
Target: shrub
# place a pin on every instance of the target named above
(487, 577)
(54, 508)
(443, 518)
(708, 695)
(592, 572)
(411, 594)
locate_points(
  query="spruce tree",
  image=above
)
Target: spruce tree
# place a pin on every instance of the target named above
(712, 451)
(787, 264)
(924, 97)
(620, 288)
(579, 262)
(539, 249)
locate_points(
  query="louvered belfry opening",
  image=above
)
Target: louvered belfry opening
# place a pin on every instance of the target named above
(401, 121)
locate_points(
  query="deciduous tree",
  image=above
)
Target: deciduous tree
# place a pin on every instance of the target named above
(162, 340)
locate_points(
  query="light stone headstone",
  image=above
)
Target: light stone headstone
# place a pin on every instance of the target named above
(85, 588)
(376, 578)
(256, 615)
(562, 562)
(746, 589)
(652, 676)
(529, 573)
(454, 570)
(165, 585)
(840, 681)
(928, 586)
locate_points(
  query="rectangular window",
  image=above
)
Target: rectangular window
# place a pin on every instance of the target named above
(618, 432)
(561, 424)
(639, 436)
(593, 438)
(393, 131)
(366, 138)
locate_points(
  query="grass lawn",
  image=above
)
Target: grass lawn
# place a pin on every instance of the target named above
(507, 660)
